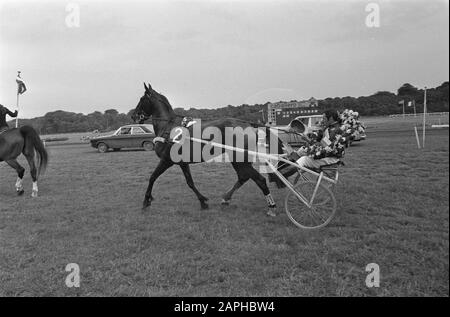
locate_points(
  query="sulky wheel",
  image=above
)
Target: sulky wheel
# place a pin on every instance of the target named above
(321, 211)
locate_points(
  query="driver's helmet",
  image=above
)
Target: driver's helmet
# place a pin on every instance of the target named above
(186, 121)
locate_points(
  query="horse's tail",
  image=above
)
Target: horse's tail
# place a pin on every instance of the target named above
(32, 138)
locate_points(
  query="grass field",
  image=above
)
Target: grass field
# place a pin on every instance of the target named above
(393, 210)
(399, 123)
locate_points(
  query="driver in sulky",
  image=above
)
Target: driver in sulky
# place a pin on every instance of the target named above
(325, 147)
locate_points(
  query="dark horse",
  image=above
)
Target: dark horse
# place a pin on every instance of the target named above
(152, 104)
(23, 140)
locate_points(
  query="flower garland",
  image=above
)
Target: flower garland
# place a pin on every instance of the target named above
(349, 129)
(319, 149)
(351, 126)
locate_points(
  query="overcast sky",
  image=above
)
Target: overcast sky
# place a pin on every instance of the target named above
(210, 54)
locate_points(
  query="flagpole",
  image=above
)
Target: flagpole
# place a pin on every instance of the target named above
(424, 117)
(19, 91)
(17, 106)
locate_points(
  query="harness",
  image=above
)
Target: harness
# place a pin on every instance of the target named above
(164, 135)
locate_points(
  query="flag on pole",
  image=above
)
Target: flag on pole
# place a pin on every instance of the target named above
(21, 88)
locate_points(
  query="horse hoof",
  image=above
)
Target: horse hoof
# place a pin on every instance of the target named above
(34, 194)
(205, 206)
(145, 205)
(20, 192)
(225, 202)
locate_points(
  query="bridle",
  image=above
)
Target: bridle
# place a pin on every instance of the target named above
(165, 133)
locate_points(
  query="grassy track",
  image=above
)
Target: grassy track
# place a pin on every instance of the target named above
(393, 210)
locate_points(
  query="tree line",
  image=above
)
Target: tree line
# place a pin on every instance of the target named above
(380, 103)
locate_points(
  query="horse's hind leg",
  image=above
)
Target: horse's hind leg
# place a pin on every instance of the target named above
(226, 198)
(262, 184)
(33, 172)
(20, 172)
(248, 171)
(190, 181)
(243, 177)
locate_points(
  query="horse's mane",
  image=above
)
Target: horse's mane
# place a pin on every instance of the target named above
(165, 101)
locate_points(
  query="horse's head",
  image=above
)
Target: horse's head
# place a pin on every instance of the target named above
(145, 107)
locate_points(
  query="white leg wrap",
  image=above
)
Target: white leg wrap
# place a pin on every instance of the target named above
(35, 189)
(19, 185)
(270, 200)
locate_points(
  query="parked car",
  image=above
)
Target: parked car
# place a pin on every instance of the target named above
(301, 125)
(359, 136)
(129, 136)
(312, 123)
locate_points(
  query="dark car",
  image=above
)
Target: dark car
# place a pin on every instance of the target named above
(129, 136)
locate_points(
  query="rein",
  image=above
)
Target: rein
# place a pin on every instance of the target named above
(258, 125)
(161, 138)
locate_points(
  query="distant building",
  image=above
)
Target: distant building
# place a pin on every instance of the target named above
(282, 113)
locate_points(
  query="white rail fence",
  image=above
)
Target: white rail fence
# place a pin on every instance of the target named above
(418, 114)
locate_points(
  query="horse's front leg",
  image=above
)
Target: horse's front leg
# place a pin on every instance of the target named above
(160, 169)
(189, 180)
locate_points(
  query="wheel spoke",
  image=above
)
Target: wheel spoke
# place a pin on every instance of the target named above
(316, 216)
(313, 213)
